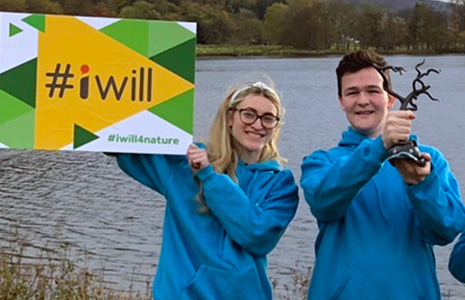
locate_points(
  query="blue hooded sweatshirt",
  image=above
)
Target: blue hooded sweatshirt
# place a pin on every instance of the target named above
(376, 233)
(457, 259)
(220, 255)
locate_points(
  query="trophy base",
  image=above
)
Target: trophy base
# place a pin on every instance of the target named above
(407, 150)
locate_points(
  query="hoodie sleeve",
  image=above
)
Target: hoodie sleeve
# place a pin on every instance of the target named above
(329, 186)
(438, 207)
(457, 259)
(257, 227)
(153, 171)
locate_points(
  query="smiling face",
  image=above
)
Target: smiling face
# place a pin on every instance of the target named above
(251, 139)
(364, 101)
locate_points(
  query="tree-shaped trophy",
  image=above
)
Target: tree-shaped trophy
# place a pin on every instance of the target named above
(409, 149)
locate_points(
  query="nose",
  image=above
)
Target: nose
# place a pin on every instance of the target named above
(364, 99)
(257, 125)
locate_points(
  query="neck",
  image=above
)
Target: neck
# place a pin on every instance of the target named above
(249, 157)
(370, 134)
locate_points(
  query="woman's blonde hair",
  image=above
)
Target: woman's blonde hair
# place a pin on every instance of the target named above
(222, 149)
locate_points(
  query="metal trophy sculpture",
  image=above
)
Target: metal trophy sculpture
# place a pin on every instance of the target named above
(409, 149)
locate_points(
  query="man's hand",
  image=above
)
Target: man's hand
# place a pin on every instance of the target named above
(411, 172)
(197, 158)
(397, 127)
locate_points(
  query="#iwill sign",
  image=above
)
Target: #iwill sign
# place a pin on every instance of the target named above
(96, 84)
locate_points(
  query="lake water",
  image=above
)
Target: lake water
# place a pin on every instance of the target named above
(84, 201)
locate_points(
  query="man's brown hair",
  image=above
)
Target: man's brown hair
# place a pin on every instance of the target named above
(357, 60)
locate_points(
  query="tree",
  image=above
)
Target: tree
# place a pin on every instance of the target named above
(218, 27)
(214, 26)
(369, 27)
(118, 5)
(248, 29)
(457, 23)
(394, 32)
(77, 7)
(428, 29)
(167, 10)
(274, 24)
(140, 10)
(44, 7)
(13, 5)
(342, 19)
(307, 25)
(262, 5)
(234, 6)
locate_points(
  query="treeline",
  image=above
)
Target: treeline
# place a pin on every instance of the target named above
(302, 24)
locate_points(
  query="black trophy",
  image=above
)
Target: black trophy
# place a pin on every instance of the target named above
(409, 149)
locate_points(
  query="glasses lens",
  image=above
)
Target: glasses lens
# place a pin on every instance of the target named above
(248, 116)
(269, 121)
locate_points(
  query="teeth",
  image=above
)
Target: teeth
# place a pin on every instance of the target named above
(257, 134)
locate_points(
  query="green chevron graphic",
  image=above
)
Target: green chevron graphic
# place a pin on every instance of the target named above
(132, 33)
(174, 60)
(36, 21)
(14, 30)
(148, 38)
(82, 136)
(166, 35)
(17, 121)
(20, 82)
(171, 112)
(11, 108)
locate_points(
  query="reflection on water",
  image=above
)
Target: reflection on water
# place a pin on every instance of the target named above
(84, 201)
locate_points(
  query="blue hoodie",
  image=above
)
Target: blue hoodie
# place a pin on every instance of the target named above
(376, 232)
(221, 255)
(457, 259)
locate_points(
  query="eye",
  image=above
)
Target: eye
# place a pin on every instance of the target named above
(269, 118)
(351, 93)
(248, 114)
(374, 91)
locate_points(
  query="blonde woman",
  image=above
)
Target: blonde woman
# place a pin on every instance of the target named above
(228, 202)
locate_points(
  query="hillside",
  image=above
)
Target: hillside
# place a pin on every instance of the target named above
(402, 4)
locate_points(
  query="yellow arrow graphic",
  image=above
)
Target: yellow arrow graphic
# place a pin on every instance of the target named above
(85, 77)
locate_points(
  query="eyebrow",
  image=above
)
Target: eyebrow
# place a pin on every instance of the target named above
(356, 88)
(253, 109)
(375, 87)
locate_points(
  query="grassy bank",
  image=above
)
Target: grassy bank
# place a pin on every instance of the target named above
(258, 50)
(281, 51)
(54, 277)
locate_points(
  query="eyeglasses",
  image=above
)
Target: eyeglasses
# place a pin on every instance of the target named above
(249, 116)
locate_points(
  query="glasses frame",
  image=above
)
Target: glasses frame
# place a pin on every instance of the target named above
(257, 116)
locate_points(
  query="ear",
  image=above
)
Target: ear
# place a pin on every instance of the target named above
(230, 118)
(391, 101)
(340, 103)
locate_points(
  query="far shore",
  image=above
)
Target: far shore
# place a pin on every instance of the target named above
(206, 51)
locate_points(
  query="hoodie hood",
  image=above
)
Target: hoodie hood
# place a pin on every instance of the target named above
(352, 138)
(269, 165)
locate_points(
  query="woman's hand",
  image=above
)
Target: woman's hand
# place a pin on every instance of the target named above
(197, 158)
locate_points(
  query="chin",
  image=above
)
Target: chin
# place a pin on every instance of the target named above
(366, 131)
(253, 148)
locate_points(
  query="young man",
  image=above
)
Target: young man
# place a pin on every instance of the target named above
(457, 259)
(378, 221)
